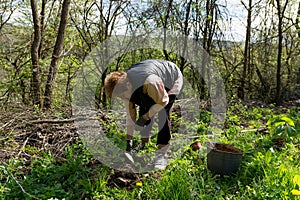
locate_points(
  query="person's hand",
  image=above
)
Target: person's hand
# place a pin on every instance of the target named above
(142, 121)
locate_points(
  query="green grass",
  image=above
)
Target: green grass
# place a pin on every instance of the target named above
(267, 171)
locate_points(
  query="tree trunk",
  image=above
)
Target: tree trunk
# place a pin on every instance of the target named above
(35, 69)
(297, 24)
(42, 22)
(279, 53)
(165, 24)
(186, 35)
(56, 54)
(208, 32)
(298, 76)
(264, 86)
(280, 14)
(241, 91)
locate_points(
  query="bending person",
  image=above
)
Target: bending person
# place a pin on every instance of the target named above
(153, 86)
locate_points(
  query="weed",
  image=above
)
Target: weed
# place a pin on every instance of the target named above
(266, 172)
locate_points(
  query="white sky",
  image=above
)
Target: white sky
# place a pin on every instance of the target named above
(236, 30)
(235, 11)
(237, 14)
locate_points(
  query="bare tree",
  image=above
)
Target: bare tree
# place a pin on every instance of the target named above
(280, 14)
(35, 69)
(42, 22)
(7, 8)
(186, 33)
(165, 26)
(56, 55)
(297, 24)
(209, 30)
(246, 63)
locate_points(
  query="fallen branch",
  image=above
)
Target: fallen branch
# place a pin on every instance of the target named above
(11, 121)
(52, 121)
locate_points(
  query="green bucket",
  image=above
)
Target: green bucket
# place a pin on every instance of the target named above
(223, 159)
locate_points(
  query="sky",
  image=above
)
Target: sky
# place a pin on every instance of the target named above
(236, 12)
(238, 18)
(238, 15)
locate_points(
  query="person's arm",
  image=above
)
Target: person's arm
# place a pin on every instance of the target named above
(175, 90)
(130, 119)
(155, 88)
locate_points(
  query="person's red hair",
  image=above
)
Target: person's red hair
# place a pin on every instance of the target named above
(115, 83)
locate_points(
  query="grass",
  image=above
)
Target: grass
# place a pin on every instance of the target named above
(268, 170)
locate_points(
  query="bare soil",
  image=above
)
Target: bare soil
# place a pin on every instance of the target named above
(227, 148)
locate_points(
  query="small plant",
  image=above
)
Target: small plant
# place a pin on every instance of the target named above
(296, 190)
(264, 173)
(283, 125)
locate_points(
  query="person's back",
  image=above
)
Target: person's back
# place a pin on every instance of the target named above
(166, 70)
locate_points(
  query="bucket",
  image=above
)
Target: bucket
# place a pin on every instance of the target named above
(223, 159)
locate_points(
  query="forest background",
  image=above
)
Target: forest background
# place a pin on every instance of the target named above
(44, 43)
(44, 46)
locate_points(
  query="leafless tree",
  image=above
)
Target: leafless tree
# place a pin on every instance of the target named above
(56, 55)
(35, 69)
(281, 8)
(7, 8)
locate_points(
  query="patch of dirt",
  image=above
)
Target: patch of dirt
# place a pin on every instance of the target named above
(227, 148)
(278, 143)
(123, 179)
